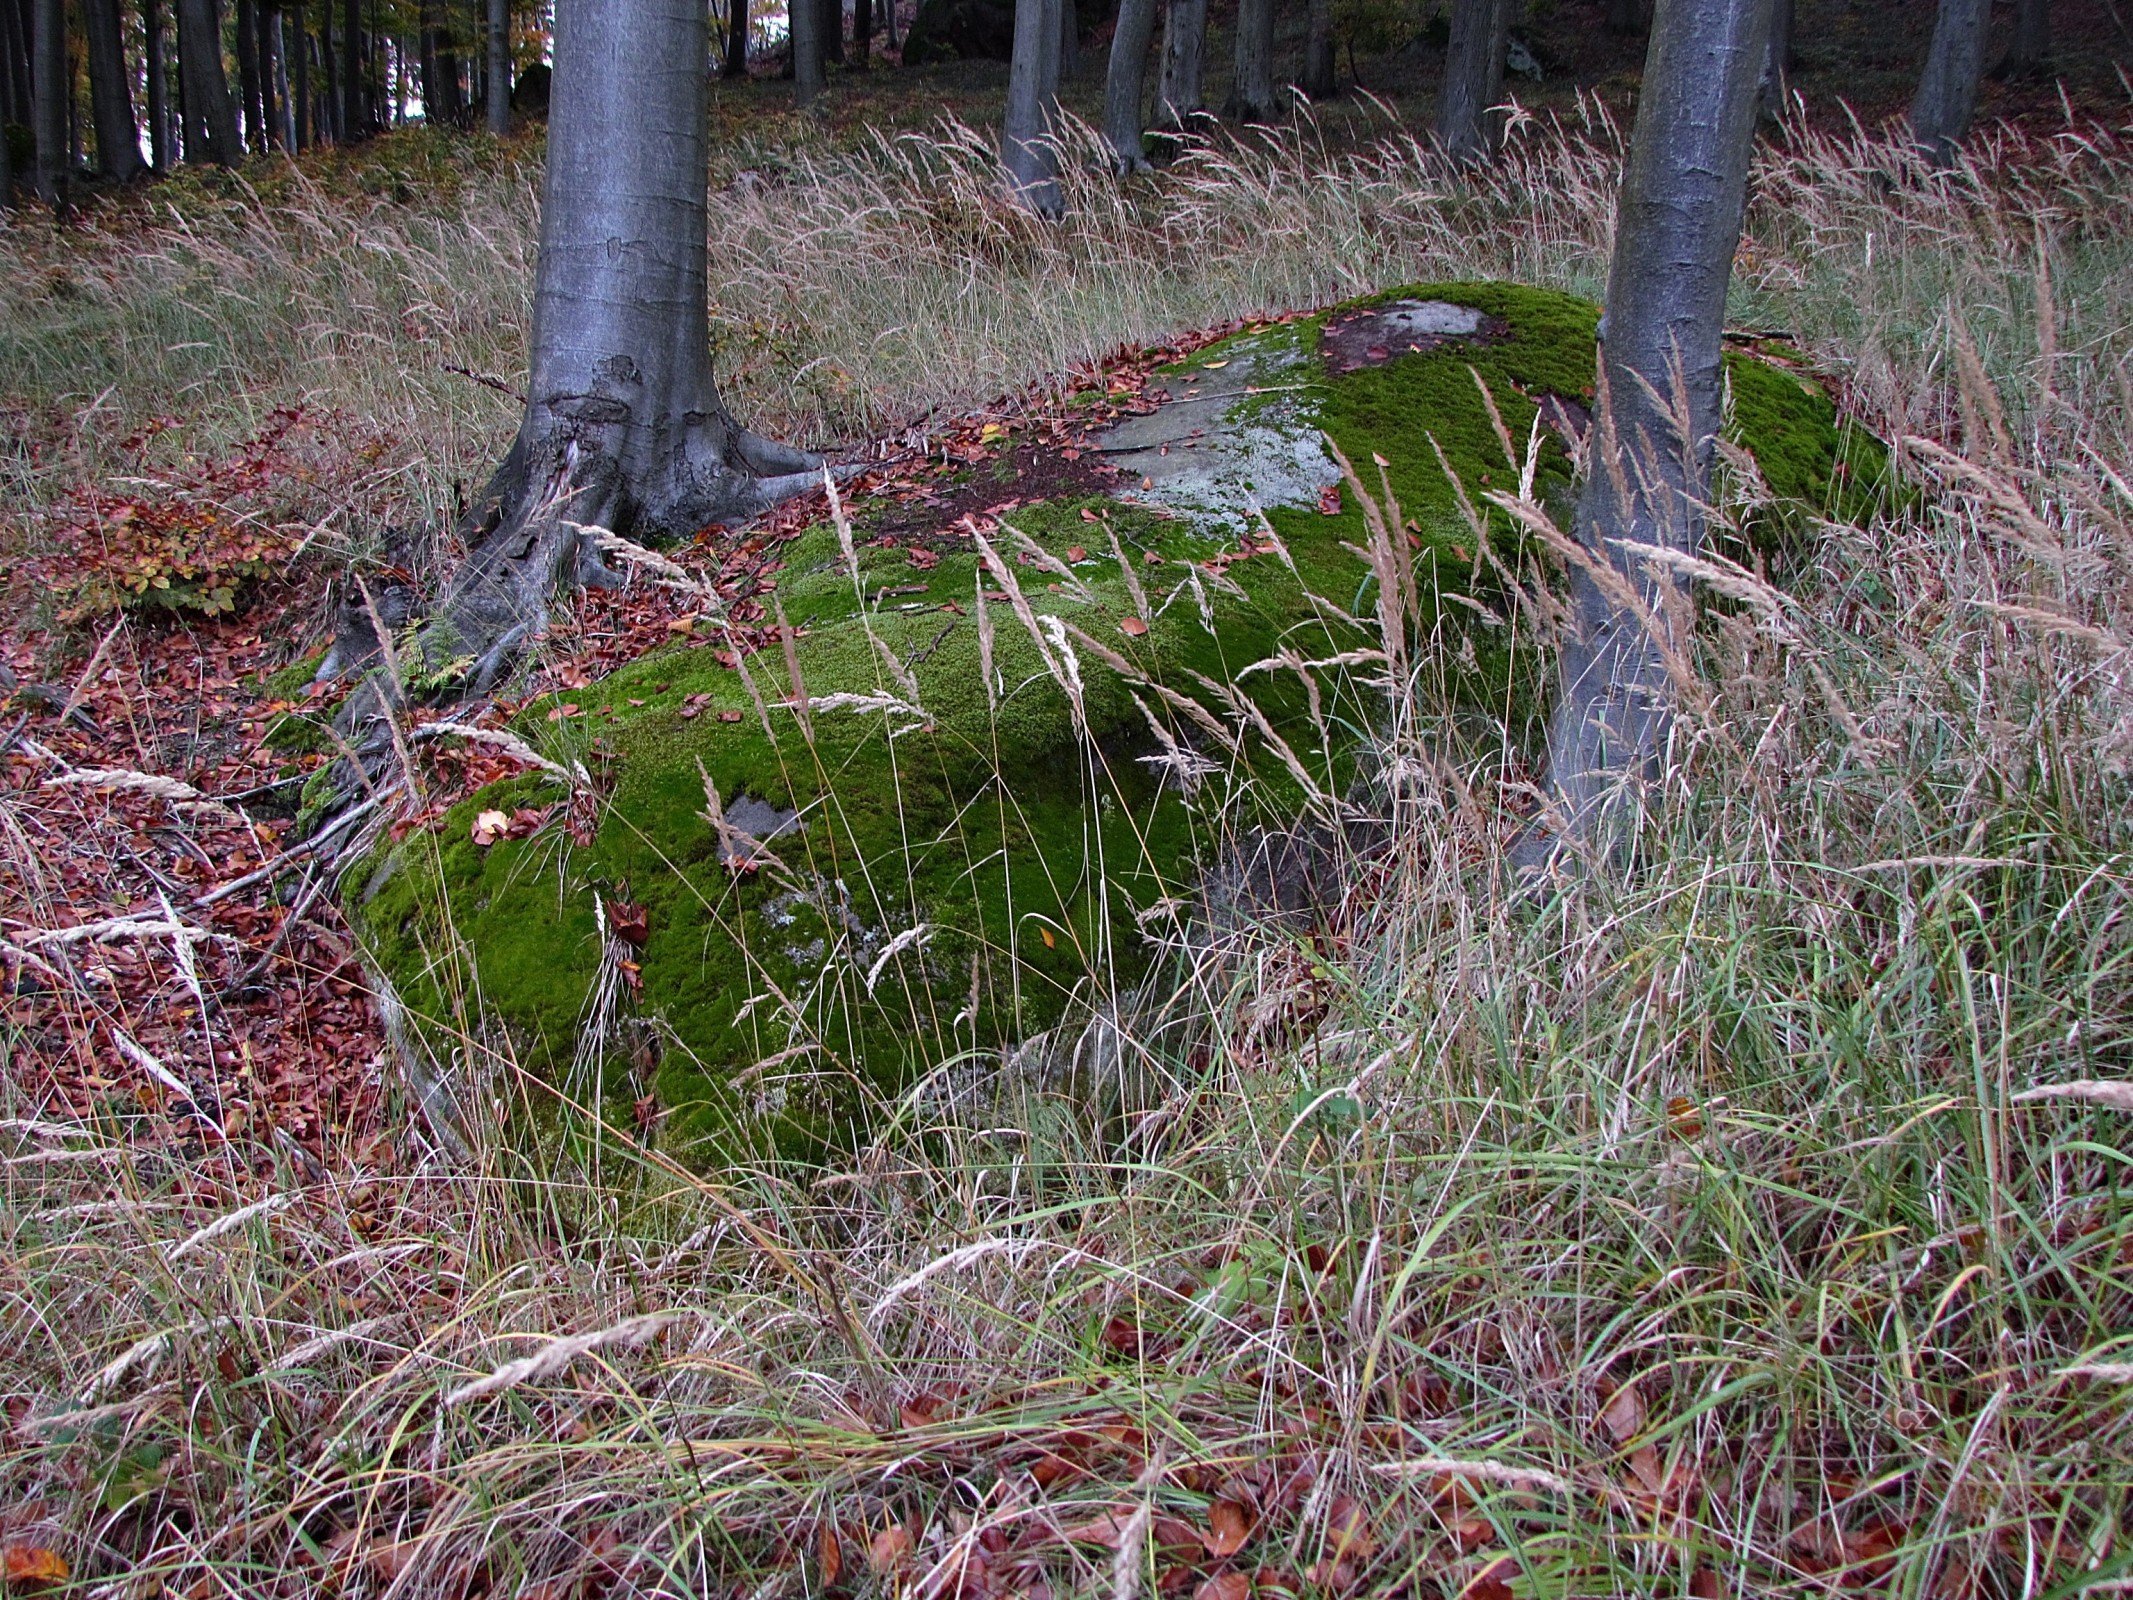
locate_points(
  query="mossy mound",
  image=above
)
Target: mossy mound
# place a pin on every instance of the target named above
(994, 779)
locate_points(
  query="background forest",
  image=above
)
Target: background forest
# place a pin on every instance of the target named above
(1756, 1222)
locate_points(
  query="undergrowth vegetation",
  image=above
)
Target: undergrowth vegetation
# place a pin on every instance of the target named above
(1754, 1222)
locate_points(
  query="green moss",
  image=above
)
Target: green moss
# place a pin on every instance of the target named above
(1021, 832)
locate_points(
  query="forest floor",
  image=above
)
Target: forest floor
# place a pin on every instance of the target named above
(1762, 1228)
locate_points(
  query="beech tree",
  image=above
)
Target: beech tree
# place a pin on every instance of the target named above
(810, 74)
(623, 427)
(2029, 51)
(211, 118)
(1947, 89)
(51, 82)
(1027, 147)
(1469, 130)
(1648, 476)
(1318, 74)
(1179, 96)
(1124, 80)
(1251, 94)
(499, 47)
(118, 136)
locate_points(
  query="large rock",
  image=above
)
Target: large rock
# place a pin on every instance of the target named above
(936, 861)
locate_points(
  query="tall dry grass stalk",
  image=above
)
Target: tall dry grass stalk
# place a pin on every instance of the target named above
(1698, 1231)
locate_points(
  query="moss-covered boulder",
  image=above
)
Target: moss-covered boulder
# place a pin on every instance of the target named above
(935, 814)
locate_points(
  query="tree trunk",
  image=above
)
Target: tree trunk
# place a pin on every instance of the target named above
(888, 9)
(118, 137)
(1677, 225)
(500, 66)
(1123, 82)
(1178, 94)
(1319, 80)
(737, 39)
(255, 128)
(50, 80)
(1069, 40)
(1469, 129)
(832, 34)
(156, 70)
(1776, 91)
(862, 31)
(1251, 94)
(354, 123)
(803, 21)
(1947, 89)
(297, 52)
(274, 52)
(1028, 148)
(2029, 51)
(1628, 16)
(429, 68)
(211, 118)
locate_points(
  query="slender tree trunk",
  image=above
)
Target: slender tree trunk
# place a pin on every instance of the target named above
(156, 70)
(255, 135)
(862, 31)
(2029, 51)
(1069, 40)
(1677, 226)
(1123, 83)
(1178, 94)
(1947, 90)
(1027, 138)
(500, 67)
(274, 48)
(737, 39)
(1251, 94)
(297, 51)
(1776, 90)
(624, 428)
(809, 78)
(1319, 76)
(51, 78)
(832, 34)
(16, 29)
(211, 117)
(430, 68)
(118, 136)
(354, 124)
(888, 8)
(1469, 129)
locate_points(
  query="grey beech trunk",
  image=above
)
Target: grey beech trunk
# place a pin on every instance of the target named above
(296, 50)
(736, 39)
(157, 71)
(2030, 49)
(255, 127)
(1648, 472)
(1123, 83)
(118, 136)
(50, 81)
(1469, 129)
(1069, 40)
(623, 427)
(212, 118)
(809, 73)
(354, 119)
(1319, 80)
(832, 34)
(862, 31)
(1027, 145)
(1179, 96)
(1947, 89)
(499, 28)
(1777, 64)
(1251, 94)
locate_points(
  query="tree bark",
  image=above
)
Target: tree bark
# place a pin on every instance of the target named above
(1947, 89)
(803, 20)
(832, 34)
(297, 52)
(1319, 80)
(118, 136)
(1178, 94)
(212, 118)
(736, 40)
(624, 428)
(50, 82)
(255, 127)
(156, 70)
(1251, 95)
(1123, 83)
(1469, 129)
(1027, 137)
(2029, 51)
(1776, 91)
(354, 122)
(1069, 41)
(862, 31)
(1648, 478)
(500, 66)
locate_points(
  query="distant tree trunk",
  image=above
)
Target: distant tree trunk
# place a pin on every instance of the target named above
(500, 66)
(888, 9)
(275, 47)
(156, 70)
(1628, 16)
(2029, 51)
(1178, 93)
(429, 66)
(273, 81)
(1469, 130)
(862, 31)
(297, 53)
(1251, 95)
(1947, 90)
(51, 79)
(1319, 80)
(118, 137)
(1776, 88)
(833, 32)
(211, 118)
(803, 21)
(1069, 40)
(255, 138)
(624, 428)
(353, 121)
(737, 39)
(1027, 146)
(1677, 225)
(1123, 81)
